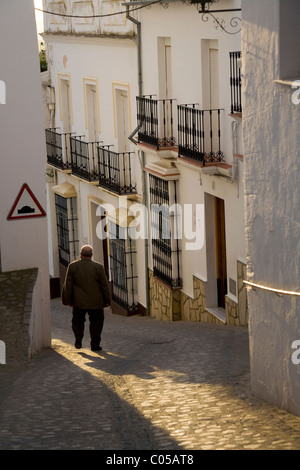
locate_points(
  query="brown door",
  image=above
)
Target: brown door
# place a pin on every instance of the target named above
(105, 251)
(220, 251)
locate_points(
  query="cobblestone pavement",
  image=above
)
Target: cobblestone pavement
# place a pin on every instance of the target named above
(155, 386)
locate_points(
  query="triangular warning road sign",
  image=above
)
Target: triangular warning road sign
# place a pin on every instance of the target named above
(26, 205)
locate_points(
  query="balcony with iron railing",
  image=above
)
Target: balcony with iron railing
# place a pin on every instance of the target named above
(198, 131)
(199, 134)
(156, 121)
(115, 170)
(84, 159)
(91, 161)
(58, 149)
(235, 82)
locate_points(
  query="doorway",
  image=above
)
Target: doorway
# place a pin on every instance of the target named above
(66, 117)
(65, 105)
(122, 119)
(92, 112)
(99, 235)
(216, 288)
(221, 263)
(165, 83)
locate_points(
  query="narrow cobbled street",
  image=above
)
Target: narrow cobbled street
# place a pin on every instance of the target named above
(155, 386)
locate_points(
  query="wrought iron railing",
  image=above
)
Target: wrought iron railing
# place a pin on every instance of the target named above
(58, 149)
(84, 159)
(235, 82)
(199, 134)
(115, 170)
(156, 121)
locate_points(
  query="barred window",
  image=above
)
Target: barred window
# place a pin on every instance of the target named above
(165, 250)
(122, 267)
(67, 228)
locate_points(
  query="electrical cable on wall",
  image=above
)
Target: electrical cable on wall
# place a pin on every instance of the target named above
(217, 21)
(97, 16)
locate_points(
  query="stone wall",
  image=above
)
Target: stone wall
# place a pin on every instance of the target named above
(16, 292)
(164, 301)
(169, 304)
(237, 313)
(232, 311)
(173, 304)
(242, 294)
(193, 309)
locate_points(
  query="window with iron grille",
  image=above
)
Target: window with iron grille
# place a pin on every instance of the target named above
(67, 228)
(122, 267)
(165, 249)
(236, 81)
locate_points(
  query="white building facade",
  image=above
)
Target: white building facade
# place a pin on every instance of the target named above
(23, 222)
(271, 77)
(190, 140)
(161, 85)
(93, 175)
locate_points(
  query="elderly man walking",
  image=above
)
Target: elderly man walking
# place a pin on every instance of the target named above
(86, 289)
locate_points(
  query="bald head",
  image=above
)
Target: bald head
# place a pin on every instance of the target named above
(86, 251)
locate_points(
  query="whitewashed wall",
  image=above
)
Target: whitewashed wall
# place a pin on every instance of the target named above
(192, 189)
(186, 30)
(184, 26)
(115, 59)
(272, 204)
(112, 24)
(106, 60)
(112, 61)
(22, 154)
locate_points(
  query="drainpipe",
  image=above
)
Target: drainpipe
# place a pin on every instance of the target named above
(138, 25)
(142, 158)
(234, 126)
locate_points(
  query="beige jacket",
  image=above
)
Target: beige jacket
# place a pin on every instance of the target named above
(86, 285)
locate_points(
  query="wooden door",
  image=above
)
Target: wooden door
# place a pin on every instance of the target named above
(221, 265)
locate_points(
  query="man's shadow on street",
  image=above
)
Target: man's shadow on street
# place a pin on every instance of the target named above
(115, 364)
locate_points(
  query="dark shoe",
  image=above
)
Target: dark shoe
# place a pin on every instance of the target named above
(96, 348)
(78, 343)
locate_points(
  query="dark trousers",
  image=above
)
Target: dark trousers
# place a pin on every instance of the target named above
(96, 318)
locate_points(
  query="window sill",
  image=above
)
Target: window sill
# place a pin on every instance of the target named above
(163, 169)
(236, 115)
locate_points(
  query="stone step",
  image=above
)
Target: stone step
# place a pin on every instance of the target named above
(218, 312)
